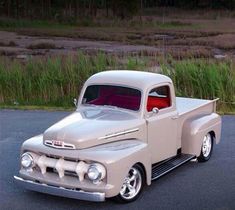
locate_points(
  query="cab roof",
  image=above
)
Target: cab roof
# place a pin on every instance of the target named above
(139, 79)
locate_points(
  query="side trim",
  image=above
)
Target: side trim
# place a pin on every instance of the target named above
(118, 134)
(60, 191)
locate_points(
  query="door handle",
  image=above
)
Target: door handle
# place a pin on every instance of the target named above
(175, 117)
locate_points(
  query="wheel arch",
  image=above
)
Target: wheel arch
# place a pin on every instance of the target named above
(212, 133)
(144, 170)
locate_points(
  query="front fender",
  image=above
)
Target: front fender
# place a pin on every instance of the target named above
(118, 158)
(195, 129)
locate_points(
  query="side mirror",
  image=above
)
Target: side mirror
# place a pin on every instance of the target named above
(155, 110)
(75, 101)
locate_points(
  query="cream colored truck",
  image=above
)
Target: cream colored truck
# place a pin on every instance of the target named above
(128, 130)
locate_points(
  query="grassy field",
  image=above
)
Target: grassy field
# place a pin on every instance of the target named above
(52, 73)
(54, 82)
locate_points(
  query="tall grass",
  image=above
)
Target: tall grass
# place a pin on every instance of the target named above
(56, 81)
(204, 79)
(53, 81)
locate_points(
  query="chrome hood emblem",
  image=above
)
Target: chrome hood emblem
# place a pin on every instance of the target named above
(59, 144)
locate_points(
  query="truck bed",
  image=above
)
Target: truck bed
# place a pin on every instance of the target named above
(189, 108)
(186, 105)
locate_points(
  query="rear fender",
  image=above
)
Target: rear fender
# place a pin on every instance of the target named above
(194, 130)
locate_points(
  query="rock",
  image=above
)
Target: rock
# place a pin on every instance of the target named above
(220, 56)
(163, 36)
(22, 56)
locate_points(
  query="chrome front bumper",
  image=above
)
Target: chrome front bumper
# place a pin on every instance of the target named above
(60, 191)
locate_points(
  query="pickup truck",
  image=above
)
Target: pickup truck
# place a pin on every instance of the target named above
(128, 130)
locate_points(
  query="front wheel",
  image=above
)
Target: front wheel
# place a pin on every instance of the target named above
(206, 149)
(132, 186)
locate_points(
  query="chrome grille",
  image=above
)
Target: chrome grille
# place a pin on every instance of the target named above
(61, 166)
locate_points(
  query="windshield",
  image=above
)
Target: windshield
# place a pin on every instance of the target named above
(109, 95)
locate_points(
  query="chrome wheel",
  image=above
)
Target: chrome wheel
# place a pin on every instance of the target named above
(132, 184)
(206, 145)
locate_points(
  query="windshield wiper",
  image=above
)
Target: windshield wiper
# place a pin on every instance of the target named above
(110, 106)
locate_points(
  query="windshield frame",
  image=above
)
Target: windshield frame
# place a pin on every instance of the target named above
(107, 106)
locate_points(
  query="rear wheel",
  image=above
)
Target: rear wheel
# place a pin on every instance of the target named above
(132, 186)
(206, 149)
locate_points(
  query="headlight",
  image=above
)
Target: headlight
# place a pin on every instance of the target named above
(26, 160)
(96, 172)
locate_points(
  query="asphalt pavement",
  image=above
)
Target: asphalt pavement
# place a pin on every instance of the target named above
(199, 186)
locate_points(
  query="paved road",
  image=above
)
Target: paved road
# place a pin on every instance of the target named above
(195, 185)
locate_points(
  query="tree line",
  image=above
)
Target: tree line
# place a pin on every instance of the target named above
(54, 9)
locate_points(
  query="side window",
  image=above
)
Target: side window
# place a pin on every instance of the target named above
(159, 97)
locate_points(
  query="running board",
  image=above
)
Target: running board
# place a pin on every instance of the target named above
(169, 165)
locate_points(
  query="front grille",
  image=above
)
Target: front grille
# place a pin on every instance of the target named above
(60, 166)
(51, 170)
(66, 173)
(70, 173)
(58, 157)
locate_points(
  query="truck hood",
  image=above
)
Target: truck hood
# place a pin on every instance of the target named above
(93, 126)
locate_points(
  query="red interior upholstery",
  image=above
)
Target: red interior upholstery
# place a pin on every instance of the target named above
(128, 102)
(160, 103)
(98, 101)
(103, 96)
(116, 96)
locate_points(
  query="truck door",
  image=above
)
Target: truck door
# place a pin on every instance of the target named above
(161, 117)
